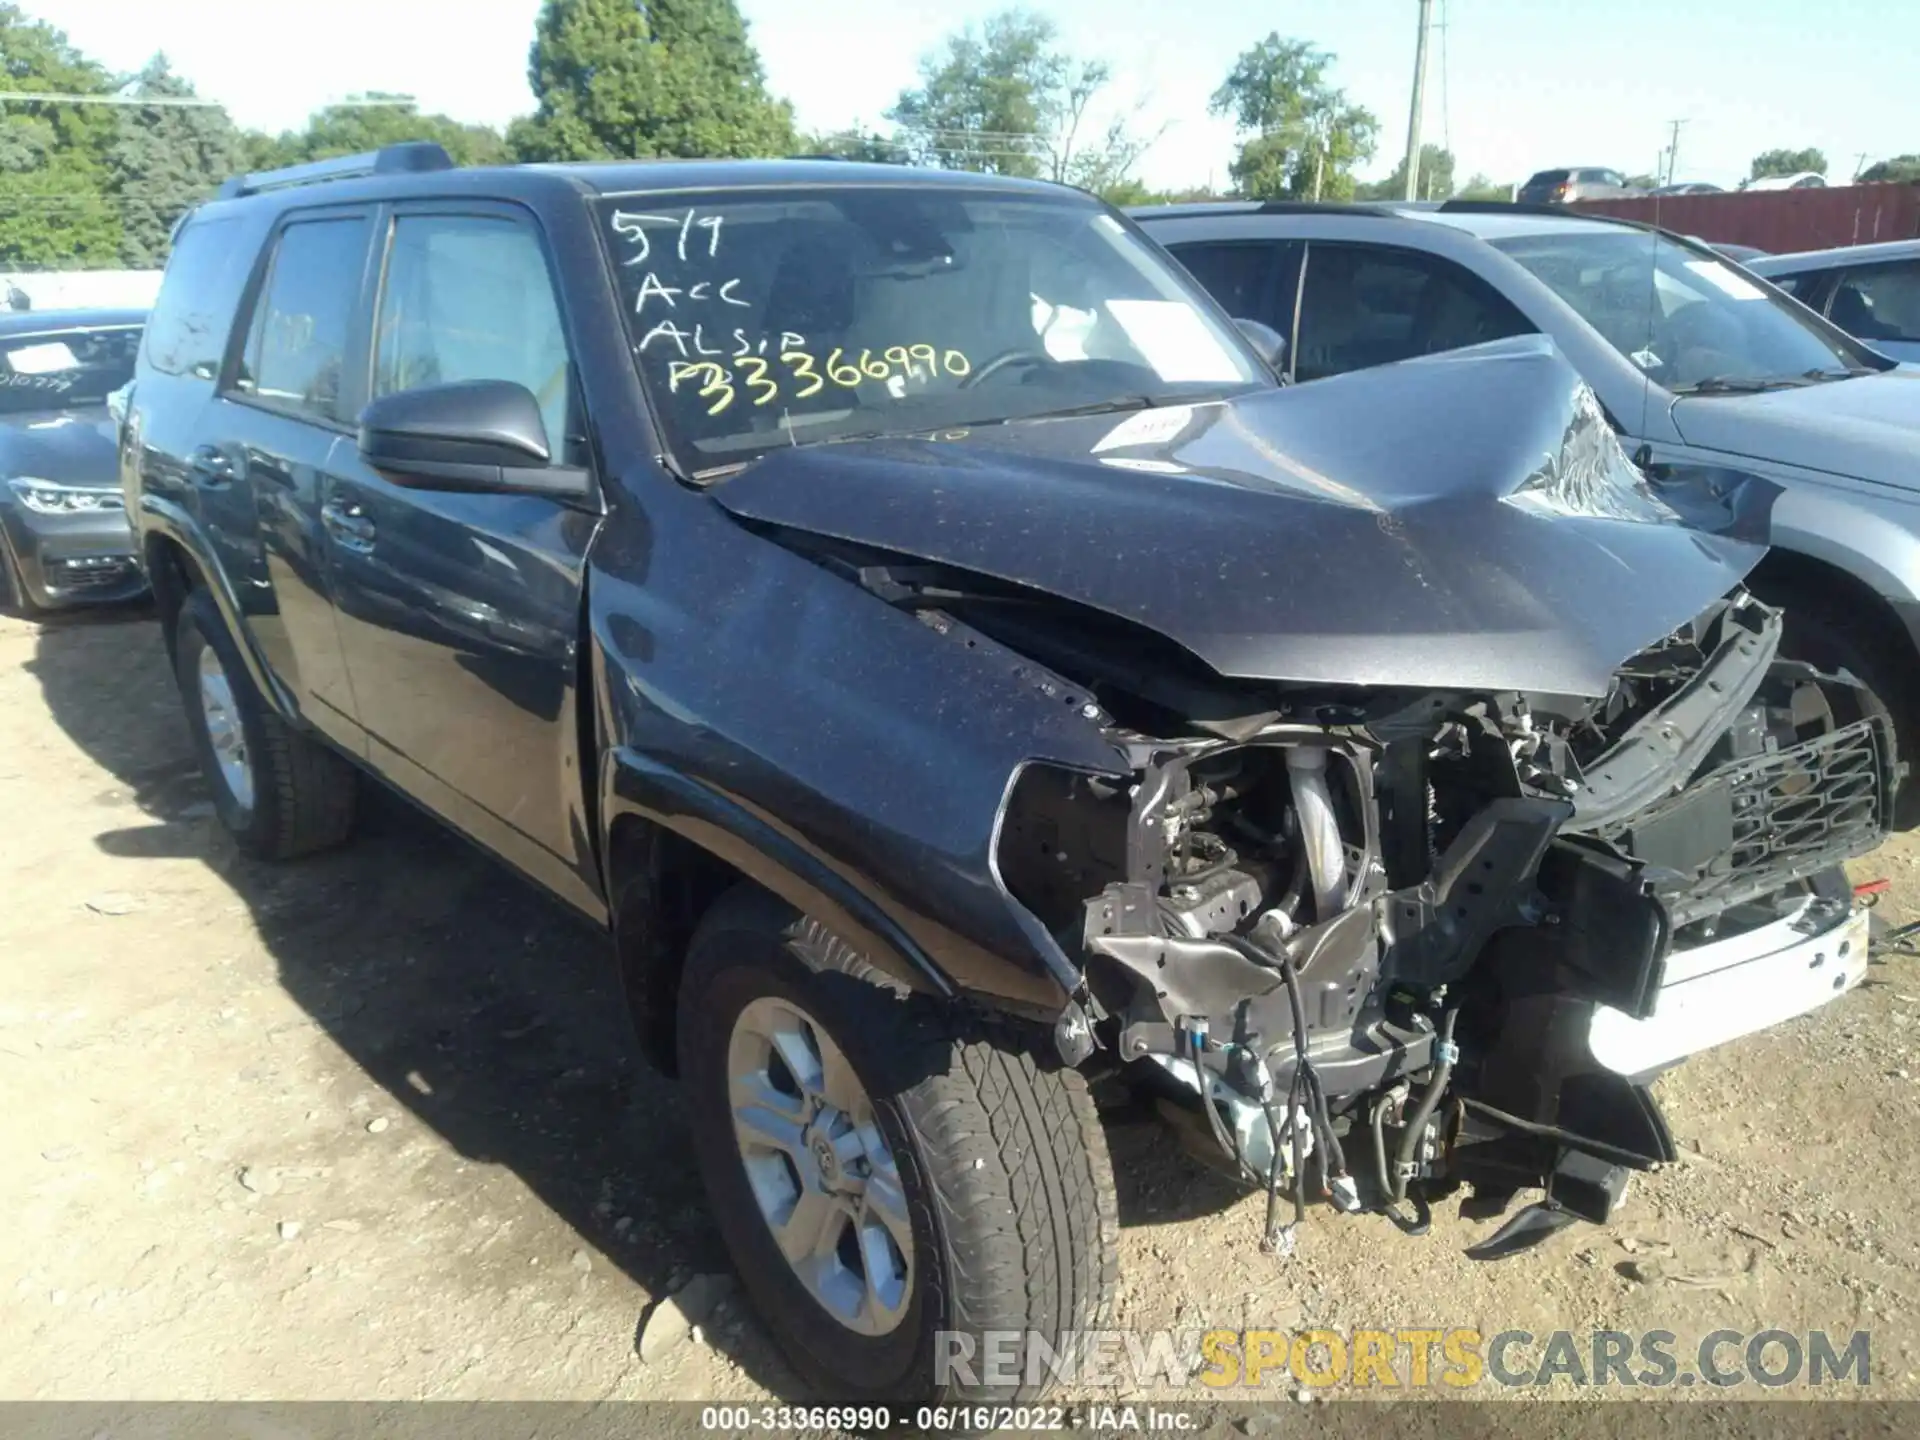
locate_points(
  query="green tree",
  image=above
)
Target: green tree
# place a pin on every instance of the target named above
(1644, 182)
(356, 129)
(1304, 137)
(1436, 178)
(1479, 187)
(864, 145)
(1900, 167)
(1786, 162)
(1004, 99)
(164, 159)
(617, 80)
(53, 205)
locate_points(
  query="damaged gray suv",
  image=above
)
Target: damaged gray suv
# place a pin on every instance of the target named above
(904, 612)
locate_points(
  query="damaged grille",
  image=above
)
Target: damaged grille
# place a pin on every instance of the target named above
(1755, 826)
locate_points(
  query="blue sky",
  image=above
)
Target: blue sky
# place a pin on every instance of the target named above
(1525, 83)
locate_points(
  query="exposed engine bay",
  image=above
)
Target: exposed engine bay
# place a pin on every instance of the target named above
(1373, 929)
(1402, 852)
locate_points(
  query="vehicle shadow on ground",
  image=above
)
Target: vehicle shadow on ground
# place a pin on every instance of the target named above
(487, 1010)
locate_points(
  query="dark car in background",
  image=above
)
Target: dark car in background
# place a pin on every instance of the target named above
(64, 537)
(1563, 187)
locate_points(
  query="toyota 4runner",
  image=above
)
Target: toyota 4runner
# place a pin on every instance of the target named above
(904, 610)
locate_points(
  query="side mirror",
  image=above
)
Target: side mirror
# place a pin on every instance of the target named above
(1268, 341)
(479, 435)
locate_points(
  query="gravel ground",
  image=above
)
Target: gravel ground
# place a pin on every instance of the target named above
(371, 1127)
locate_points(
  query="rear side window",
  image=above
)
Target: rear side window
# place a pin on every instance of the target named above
(192, 317)
(468, 297)
(297, 346)
(1879, 302)
(1365, 305)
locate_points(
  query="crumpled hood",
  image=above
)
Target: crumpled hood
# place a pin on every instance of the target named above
(78, 448)
(1867, 428)
(1465, 521)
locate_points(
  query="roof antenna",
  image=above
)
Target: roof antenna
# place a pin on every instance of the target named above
(1647, 360)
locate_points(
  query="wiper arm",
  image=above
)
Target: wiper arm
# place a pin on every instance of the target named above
(1847, 374)
(1740, 384)
(1097, 407)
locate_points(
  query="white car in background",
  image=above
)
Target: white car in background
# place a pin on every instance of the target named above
(1802, 180)
(79, 289)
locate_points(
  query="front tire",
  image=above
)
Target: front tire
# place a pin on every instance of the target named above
(13, 587)
(975, 1180)
(280, 794)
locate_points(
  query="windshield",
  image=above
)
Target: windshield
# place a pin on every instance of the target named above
(787, 318)
(64, 369)
(1689, 320)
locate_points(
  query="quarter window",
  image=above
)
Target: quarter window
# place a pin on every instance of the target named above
(469, 297)
(1879, 302)
(193, 315)
(296, 353)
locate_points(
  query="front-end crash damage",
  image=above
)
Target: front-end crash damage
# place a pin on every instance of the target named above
(1389, 928)
(1452, 798)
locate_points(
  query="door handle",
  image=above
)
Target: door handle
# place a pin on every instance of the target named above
(349, 525)
(210, 467)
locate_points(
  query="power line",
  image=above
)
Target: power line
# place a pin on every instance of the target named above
(1419, 94)
(190, 102)
(1673, 149)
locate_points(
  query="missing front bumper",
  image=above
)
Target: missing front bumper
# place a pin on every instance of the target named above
(1725, 989)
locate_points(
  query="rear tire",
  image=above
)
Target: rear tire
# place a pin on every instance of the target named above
(280, 794)
(1001, 1162)
(1816, 634)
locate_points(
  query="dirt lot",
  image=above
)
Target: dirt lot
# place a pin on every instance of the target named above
(371, 1126)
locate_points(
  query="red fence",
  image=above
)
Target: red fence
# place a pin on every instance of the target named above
(1780, 221)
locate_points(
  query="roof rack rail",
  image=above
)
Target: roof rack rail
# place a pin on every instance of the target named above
(1560, 212)
(1522, 207)
(1316, 207)
(1501, 207)
(410, 157)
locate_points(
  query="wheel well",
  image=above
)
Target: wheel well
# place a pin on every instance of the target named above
(1787, 578)
(172, 574)
(1850, 606)
(660, 885)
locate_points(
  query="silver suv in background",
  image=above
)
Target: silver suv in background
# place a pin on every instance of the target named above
(1870, 291)
(1694, 361)
(1562, 187)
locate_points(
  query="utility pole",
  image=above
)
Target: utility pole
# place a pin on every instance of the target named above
(1673, 149)
(1419, 95)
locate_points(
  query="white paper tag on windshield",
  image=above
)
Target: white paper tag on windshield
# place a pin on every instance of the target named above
(44, 359)
(1726, 278)
(1146, 427)
(1175, 341)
